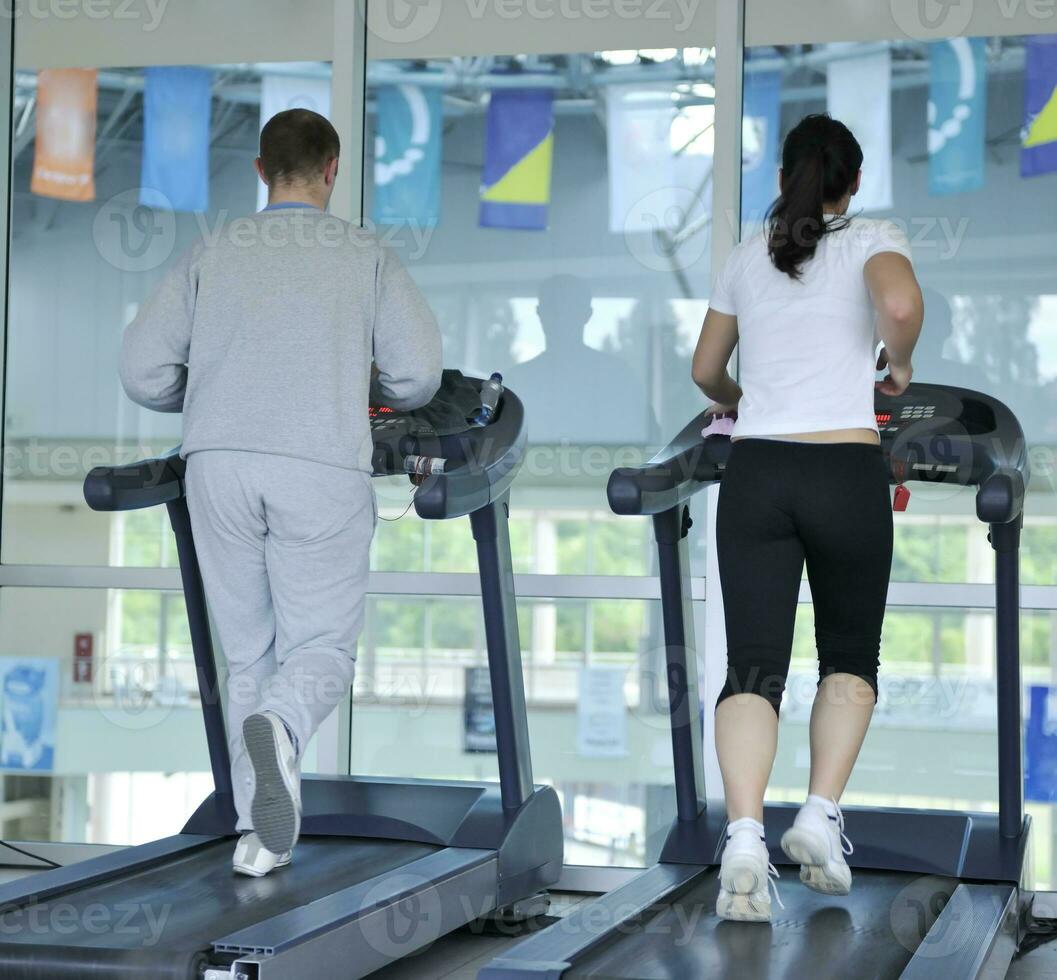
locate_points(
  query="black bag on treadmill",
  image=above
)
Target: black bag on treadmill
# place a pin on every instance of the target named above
(456, 402)
(449, 412)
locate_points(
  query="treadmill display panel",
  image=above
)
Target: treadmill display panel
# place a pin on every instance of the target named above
(905, 415)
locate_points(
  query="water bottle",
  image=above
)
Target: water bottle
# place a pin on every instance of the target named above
(491, 390)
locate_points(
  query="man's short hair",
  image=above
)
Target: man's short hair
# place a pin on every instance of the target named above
(296, 146)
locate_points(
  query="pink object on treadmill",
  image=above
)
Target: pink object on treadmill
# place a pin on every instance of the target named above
(721, 424)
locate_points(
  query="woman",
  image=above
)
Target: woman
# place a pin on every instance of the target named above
(806, 302)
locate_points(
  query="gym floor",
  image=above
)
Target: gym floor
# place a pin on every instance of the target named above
(461, 956)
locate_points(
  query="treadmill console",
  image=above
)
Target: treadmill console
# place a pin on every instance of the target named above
(950, 408)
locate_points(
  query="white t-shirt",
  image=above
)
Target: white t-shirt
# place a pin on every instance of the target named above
(806, 349)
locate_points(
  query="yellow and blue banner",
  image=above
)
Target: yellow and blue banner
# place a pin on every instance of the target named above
(519, 149)
(407, 158)
(176, 117)
(957, 115)
(1039, 141)
(760, 122)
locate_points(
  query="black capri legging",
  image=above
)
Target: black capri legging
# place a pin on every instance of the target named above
(782, 503)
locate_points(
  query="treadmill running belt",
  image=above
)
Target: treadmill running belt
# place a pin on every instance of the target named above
(160, 922)
(870, 934)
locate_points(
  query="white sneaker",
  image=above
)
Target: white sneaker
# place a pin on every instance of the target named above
(254, 859)
(817, 842)
(746, 875)
(276, 809)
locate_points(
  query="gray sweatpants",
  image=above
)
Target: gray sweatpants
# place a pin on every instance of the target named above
(284, 548)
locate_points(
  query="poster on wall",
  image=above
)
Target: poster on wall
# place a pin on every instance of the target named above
(601, 714)
(1040, 745)
(478, 719)
(29, 702)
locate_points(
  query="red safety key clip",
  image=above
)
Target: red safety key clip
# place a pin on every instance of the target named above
(901, 498)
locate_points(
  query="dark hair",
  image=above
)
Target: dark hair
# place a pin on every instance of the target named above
(820, 161)
(297, 145)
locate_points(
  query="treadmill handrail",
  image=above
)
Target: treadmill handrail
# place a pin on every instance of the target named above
(690, 463)
(484, 477)
(135, 486)
(673, 476)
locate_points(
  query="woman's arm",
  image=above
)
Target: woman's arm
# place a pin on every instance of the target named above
(900, 309)
(719, 337)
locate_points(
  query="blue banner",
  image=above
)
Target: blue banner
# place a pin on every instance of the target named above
(176, 110)
(407, 162)
(1040, 746)
(1039, 153)
(519, 148)
(957, 115)
(760, 122)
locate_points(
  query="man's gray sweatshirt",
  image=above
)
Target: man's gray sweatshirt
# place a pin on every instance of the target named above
(264, 336)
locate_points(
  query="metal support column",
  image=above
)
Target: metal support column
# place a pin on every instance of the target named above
(673, 558)
(1005, 539)
(491, 532)
(202, 645)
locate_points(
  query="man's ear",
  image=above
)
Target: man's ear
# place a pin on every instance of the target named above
(259, 167)
(330, 173)
(858, 183)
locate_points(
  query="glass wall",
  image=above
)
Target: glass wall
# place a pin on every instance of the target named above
(588, 302)
(954, 176)
(590, 314)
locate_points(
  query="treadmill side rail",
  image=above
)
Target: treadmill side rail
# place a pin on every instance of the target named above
(549, 953)
(45, 885)
(973, 938)
(360, 929)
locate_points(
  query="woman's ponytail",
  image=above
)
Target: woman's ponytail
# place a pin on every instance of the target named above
(820, 161)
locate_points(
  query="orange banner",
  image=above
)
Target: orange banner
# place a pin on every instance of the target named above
(64, 158)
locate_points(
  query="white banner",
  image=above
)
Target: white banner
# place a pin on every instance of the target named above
(641, 163)
(281, 92)
(859, 94)
(601, 714)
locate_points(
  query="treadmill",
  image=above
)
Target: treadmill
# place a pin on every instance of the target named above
(937, 893)
(384, 866)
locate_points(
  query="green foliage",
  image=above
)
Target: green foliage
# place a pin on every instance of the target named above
(930, 553)
(399, 546)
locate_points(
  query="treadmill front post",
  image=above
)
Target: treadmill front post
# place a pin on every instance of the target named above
(670, 528)
(1005, 540)
(491, 532)
(205, 659)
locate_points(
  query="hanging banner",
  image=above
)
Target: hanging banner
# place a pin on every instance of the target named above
(281, 92)
(407, 155)
(641, 159)
(519, 149)
(177, 104)
(859, 94)
(64, 153)
(601, 713)
(1039, 153)
(957, 115)
(760, 122)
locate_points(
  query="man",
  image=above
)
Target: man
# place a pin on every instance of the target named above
(264, 339)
